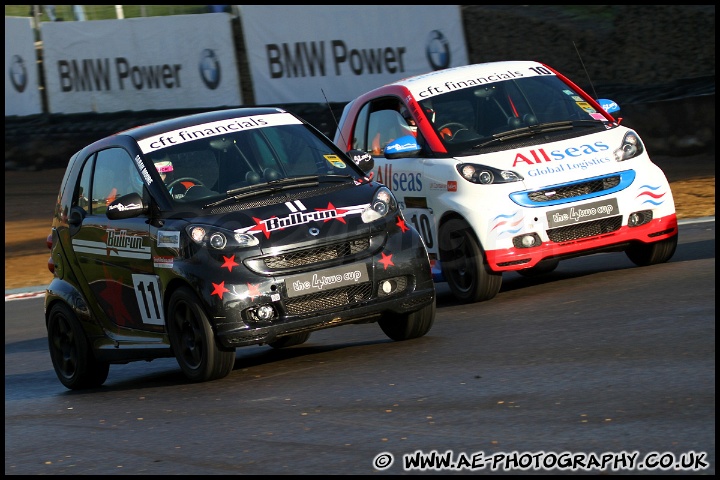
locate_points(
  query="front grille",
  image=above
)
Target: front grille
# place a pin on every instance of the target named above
(318, 254)
(584, 230)
(575, 189)
(339, 297)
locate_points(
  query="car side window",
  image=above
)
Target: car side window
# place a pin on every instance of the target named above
(114, 175)
(359, 137)
(384, 126)
(82, 194)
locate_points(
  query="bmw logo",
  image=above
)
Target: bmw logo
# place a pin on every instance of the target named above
(437, 50)
(18, 73)
(314, 231)
(209, 69)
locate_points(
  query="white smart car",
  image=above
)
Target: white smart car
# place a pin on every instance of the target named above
(510, 166)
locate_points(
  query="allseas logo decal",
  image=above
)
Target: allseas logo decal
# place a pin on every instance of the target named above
(437, 50)
(537, 156)
(320, 59)
(403, 181)
(300, 215)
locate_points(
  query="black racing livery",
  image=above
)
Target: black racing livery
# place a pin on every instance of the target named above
(196, 235)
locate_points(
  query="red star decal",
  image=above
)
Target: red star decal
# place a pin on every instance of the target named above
(253, 291)
(229, 263)
(386, 260)
(219, 289)
(401, 223)
(262, 228)
(340, 212)
(112, 294)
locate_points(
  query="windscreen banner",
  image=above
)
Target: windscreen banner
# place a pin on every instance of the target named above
(318, 53)
(151, 63)
(22, 89)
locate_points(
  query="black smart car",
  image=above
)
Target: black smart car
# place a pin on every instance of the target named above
(193, 236)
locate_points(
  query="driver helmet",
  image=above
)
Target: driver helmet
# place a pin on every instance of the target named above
(164, 167)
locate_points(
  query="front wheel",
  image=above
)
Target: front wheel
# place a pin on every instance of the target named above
(463, 264)
(644, 254)
(73, 360)
(192, 339)
(410, 325)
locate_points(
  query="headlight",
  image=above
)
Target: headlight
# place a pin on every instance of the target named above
(382, 204)
(631, 147)
(220, 238)
(484, 175)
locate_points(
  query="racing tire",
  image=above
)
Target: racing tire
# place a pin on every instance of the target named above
(644, 254)
(290, 340)
(542, 268)
(409, 326)
(193, 342)
(75, 365)
(463, 264)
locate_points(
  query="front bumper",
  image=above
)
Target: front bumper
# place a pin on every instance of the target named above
(235, 332)
(618, 239)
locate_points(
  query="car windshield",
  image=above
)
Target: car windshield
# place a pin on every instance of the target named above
(210, 169)
(480, 115)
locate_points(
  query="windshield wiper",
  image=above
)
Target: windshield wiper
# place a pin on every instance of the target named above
(279, 185)
(526, 132)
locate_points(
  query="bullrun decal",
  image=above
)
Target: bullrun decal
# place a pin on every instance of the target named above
(300, 215)
(117, 244)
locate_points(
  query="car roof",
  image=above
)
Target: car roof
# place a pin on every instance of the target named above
(479, 73)
(144, 131)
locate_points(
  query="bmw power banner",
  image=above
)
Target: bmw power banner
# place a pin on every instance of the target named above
(153, 63)
(314, 53)
(22, 92)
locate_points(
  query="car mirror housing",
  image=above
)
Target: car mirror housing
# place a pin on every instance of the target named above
(403, 147)
(609, 105)
(362, 159)
(127, 206)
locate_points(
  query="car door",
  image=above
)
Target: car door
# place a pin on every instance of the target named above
(114, 256)
(406, 177)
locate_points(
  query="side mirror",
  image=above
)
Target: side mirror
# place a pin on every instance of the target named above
(362, 159)
(403, 147)
(127, 206)
(609, 105)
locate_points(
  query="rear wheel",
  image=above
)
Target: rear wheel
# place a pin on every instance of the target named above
(192, 339)
(290, 340)
(644, 254)
(408, 326)
(463, 264)
(73, 360)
